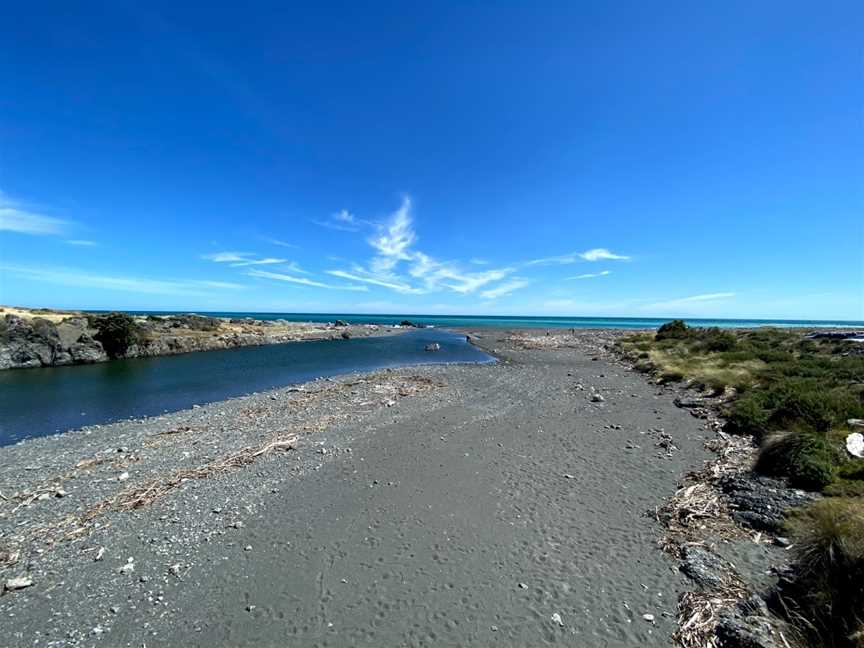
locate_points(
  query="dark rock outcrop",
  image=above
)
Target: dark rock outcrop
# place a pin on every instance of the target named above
(751, 625)
(761, 502)
(38, 342)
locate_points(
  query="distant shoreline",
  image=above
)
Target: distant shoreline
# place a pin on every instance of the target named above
(495, 321)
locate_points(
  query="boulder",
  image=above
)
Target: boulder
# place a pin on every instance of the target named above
(702, 566)
(761, 502)
(340, 323)
(751, 625)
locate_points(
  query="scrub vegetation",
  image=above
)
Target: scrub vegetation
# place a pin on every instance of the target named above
(797, 396)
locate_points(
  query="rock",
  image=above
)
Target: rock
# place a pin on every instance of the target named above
(597, 398)
(346, 335)
(433, 347)
(556, 618)
(408, 323)
(855, 422)
(750, 625)
(855, 444)
(123, 476)
(687, 403)
(128, 568)
(648, 617)
(702, 566)
(340, 323)
(18, 582)
(761, 502)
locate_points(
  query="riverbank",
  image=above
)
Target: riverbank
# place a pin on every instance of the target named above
(487, 505)
(31, 338)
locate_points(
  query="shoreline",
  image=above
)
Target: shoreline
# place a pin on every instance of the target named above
(214, 475)
(44, 338)
(422, 454)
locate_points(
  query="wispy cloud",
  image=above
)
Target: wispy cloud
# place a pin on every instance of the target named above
(602, 254)
(15, 217)
(595, 254)
(82, 243)
(245, 259)
(279, 242)
(344, 221)
(303, 281)
(226, 257)
(252, 262)
(694, 301)
(384, 283)
(397, 264)
(592, 275)
(64, 276)
(504, 289)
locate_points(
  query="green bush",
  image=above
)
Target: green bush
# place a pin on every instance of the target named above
(748, 415)
(116, 332)
(828, 568)
(808, 460)
(674, 330)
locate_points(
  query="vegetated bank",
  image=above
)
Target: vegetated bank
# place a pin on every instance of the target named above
(800, 397)
(32, 338)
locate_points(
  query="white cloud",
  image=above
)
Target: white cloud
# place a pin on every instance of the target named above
(303, 281)
(279, 242)
(592, 275)
(600, 254)
(251, 262)
(694, 301)
(397, 265)
(596, 254)
(82, 243)
(82, 278)
(398, 287)
(14, 218)
(479, 261)
(504, 289)
(226, 257)
(344, 221)
(246, 259)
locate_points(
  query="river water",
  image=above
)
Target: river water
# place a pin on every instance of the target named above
(39, 402)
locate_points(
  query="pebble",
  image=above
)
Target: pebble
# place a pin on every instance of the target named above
(556, 618)
(19, 582)
(123, 476)
(128, 568)
(648, 617)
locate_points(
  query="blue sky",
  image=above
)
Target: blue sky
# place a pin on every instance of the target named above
(572, 158)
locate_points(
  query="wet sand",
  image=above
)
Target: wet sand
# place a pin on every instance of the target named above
(430, 506)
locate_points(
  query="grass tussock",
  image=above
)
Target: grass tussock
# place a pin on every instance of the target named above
(826, 596)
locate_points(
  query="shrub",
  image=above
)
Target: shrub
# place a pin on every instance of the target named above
(674, 330)
(748, 415)
(808, 460)
(828, 548)
(117, 332)
(715, 340)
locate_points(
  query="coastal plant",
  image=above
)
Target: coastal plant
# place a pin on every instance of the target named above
(116, 332)
(674, 330)
(825, 596)
(807, 459)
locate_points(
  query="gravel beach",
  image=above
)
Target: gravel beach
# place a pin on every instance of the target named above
(461, 505)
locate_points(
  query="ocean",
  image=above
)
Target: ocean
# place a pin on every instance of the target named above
(519, 321)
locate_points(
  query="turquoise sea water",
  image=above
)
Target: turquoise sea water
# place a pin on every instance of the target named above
(472, 321)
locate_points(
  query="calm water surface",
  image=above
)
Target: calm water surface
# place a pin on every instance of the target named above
(39, 402)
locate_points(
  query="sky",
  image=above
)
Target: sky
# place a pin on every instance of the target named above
(701, 159)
